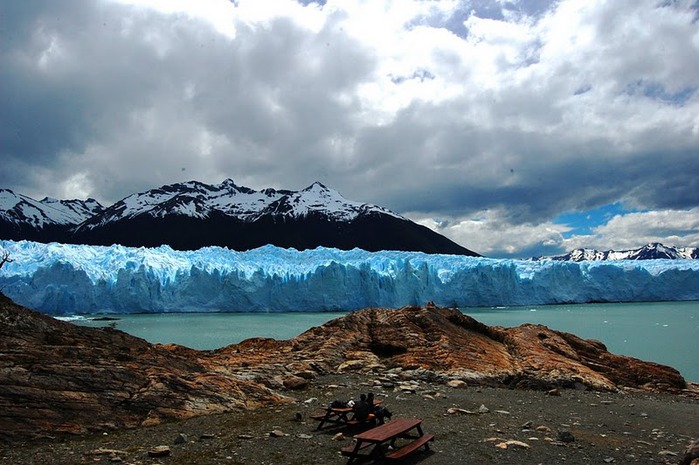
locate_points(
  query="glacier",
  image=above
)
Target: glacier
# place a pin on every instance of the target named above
(63, 279)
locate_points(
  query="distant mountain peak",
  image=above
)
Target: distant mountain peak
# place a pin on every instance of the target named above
(24, 212)
(318, 199)
(651, 251)
(317, 185)
(229, 185)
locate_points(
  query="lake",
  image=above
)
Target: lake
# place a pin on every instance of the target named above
(662, 332)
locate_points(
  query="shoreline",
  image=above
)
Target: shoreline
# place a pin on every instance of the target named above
(627, 426)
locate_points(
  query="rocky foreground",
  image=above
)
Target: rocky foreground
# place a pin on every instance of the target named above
(472, 425)
(57, 378)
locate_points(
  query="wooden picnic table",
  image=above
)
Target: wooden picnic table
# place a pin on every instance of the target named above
(334, 415)
(340, 416)
(387, 435)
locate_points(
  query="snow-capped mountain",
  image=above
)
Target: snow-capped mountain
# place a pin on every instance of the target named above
(650, 251)
(22, 217)
(192, 215)
(198, 200)
(318, 199)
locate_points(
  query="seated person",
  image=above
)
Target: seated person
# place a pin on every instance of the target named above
(362, 409)
(381, 413)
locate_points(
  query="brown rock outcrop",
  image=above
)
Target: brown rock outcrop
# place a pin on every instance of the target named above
(454, 345)
(56, 377)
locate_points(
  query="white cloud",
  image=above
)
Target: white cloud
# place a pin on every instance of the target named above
(493, 235)
(434, 108)
(670, 227)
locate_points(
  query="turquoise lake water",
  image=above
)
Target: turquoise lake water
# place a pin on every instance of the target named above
(662, 332)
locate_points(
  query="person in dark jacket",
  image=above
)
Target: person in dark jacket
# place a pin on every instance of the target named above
(381, 413)
(362, 409)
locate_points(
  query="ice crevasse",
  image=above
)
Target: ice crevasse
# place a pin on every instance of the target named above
(66, 279)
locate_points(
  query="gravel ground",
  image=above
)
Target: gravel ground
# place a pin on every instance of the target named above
(617, 428)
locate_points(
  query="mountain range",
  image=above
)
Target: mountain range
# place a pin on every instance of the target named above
(651, 251)
(192, 215)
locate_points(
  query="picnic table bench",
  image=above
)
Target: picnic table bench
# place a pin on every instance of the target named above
(339, 416)
(387, 435)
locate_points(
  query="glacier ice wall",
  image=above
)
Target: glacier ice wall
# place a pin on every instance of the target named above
(65, 279)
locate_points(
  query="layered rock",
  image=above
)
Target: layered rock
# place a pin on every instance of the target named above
(454, 346)
(56, 377)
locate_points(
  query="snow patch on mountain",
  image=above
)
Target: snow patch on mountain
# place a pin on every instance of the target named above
(318, 198)
(65, 279)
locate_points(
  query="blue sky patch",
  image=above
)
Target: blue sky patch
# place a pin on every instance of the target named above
(583, 223)
(657, 91)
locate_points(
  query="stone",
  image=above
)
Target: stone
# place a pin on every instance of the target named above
(159, 451)
(518, 444)
(691, 454)
(306, 374)
(276, 434)
(457, 384)
(294, 382)
(565, 436)
(338, 437)
(514, 444)
(553, 392)
(351, 365)
(181, 438)
(483, 409)
(455, 410)
(103, 451)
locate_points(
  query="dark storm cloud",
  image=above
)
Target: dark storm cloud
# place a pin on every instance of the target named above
(70, 79)
(39, 115)
(133, 82)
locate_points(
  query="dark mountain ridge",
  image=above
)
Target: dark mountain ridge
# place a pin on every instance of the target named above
(191, 215)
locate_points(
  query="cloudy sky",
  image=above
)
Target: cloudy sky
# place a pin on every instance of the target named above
(516, 128)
